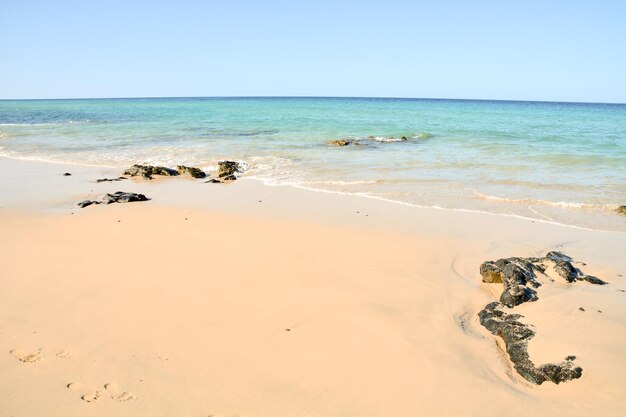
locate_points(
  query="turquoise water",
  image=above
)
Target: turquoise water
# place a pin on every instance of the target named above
(561, 162)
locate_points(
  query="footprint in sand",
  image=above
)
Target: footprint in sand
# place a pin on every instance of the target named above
(63, 354)
(117, 394)
(26, 357)
(89, 395)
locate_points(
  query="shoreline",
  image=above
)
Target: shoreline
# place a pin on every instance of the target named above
(268, 183)
(252, 300)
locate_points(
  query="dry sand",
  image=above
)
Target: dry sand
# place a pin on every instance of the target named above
(249, 300)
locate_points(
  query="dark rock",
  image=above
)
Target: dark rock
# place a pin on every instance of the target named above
(340, 142)
(228, 169)
(621, 210)
(490, 272)
(213, 181)
(191, 171)
(593, 280)
(517, 274)
(148, 171)
(111, 179)
(564, 371)
(563, 266)
(67, 174)
(516, 336)
(122, 197)
(229, 178)
(86, 203)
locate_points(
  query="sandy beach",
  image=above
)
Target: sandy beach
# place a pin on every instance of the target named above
(243, 299)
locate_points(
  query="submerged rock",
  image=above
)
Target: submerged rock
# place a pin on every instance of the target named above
(228, 169)
(340, 142)
(621, 210)
(148, 171)
(117, 197)
(371, 140)
(388, 139)
(516, 336)
(191, 171)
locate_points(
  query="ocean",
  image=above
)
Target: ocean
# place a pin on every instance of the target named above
(554, 162)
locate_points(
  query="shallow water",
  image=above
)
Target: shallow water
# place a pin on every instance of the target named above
(560, 162)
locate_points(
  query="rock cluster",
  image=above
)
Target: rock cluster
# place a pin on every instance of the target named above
(148, 171)
(519, 277)
(621, 210)
(227, 171)
(117, 197)
(370, 140)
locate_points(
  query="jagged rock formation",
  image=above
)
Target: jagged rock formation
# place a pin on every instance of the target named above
(516, 336)
(516, 274)
(117, 197)
(227, 170)
(519, 277)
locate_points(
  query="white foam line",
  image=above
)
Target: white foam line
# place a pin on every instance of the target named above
(272, 183)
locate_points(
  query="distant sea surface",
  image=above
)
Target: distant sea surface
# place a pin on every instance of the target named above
(556, 162)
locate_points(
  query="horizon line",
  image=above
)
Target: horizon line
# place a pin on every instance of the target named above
(314, 97)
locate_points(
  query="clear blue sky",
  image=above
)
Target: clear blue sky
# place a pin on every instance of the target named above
(534, 50)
